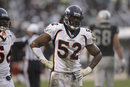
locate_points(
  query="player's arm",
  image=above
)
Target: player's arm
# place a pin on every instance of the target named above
(117, 46)
(95, 51)
(36, 44)
(41, 40)
(118, 50)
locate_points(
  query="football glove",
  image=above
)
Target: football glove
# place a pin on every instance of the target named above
(48, 64)
(82, 73)
(86, 71)
(2, 36)
(78, 75)
(123, 61)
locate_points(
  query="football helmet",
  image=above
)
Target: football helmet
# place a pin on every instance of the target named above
(4, 19)
(104, 16)
(33, 28)
(73, 16)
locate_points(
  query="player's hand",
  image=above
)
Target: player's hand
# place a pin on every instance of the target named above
(48, 64)
(86, 71)
(78, 75)
(123, 61)
(2, 36)
(82, 73)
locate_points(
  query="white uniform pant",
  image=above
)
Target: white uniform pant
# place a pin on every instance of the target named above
(104, 72)
(63, 80)
(5, 83)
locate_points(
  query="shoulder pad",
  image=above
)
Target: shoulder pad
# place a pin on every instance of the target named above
(114, 27)
(55, 23)
(92, 26)
(88, 30)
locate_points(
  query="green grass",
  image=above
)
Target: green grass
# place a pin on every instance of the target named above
(117, 83)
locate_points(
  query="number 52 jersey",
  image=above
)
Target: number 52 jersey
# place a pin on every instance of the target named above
(5, 51)
(67, 49)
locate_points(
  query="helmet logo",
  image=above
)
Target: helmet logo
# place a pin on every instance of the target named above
(76, 14)
(5, 15)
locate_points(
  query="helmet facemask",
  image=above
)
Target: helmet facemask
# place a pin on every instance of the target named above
(73, 22)
(4, 20)
(4, 24)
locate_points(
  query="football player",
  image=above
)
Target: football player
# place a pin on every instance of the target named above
(69, 39)
(7, 39)
(106, 36)
(32, 66)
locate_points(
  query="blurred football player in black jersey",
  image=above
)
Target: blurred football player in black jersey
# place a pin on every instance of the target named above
(106, 36)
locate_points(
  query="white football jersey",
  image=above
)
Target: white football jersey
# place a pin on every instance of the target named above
(66, 49)
(5, 50)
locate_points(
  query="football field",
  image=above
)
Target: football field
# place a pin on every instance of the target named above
(117, 83)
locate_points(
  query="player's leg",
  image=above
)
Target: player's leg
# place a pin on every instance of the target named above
(109, 78)
(56, 80)
(26, 73)
(11, 83)
(110, 73)
(71, 80)
(100, 74)
(34, 79)
(6, 83)
(63, 80)
(34, 71)
(99, 80)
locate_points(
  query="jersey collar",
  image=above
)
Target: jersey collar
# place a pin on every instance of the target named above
(70, 34)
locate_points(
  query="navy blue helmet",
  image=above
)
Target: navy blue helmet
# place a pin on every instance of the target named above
(4, 18)
(3, 14)
(73, 17)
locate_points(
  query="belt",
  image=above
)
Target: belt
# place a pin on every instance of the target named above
(8, 78)
(71, 73)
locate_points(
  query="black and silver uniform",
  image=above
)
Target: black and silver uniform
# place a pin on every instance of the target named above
(104, 34)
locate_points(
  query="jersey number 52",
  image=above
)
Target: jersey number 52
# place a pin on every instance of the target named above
(62, 46)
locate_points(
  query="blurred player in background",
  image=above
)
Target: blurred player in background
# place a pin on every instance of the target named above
(69, 39)
(32, 66)
(7, 39)
(106, 36)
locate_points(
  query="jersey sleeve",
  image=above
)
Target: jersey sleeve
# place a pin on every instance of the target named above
(91, 27)
(89, 37)
(115, 29)
(13, 38)
(51, 30)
